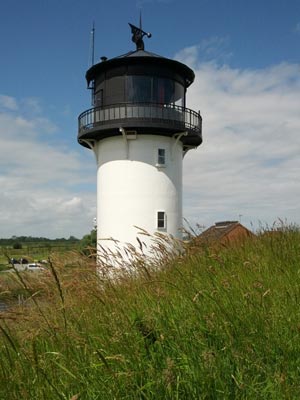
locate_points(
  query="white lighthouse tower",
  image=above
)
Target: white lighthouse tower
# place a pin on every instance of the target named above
(139, 129)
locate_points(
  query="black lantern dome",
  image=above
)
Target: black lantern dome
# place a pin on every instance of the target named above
(142, 92)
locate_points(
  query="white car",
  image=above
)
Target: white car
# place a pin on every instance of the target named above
(34, 267)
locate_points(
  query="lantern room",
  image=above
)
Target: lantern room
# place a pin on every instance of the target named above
(140, 91)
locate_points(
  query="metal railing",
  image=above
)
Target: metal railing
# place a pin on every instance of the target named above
(166, 114)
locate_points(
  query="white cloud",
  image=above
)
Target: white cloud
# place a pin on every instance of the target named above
(297, 28)
(41, 183)
(211, 49)
(8, 103)
(43, 212)
(249, 162)
(32, 104)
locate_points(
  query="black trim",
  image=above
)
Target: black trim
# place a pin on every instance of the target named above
(135, 64)
(156, 119)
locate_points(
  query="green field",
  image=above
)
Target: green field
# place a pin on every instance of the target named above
(211, 324)
(34, 251)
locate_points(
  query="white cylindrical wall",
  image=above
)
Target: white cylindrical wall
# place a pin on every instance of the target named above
(132, 187)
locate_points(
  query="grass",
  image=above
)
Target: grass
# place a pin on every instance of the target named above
(35, 250)
(4, 266)
(212, 324)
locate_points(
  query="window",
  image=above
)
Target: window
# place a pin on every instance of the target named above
(152, 89)
(98, 98)
(161, 156)
(139, 89)
(161, 220)
(114, 90)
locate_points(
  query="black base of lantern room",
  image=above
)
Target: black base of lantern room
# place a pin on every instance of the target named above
(144, 118)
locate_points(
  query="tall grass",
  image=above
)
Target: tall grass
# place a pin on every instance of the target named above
(211, 324)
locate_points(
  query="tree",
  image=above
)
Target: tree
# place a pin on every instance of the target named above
(88, 243)
(73, 239)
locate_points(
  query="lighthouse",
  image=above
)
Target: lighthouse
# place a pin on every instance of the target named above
(139, 129)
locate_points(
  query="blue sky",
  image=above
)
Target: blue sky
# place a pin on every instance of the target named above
(247, 63)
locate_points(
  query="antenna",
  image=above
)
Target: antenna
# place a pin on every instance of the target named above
(91, 61)
(92, 46)
(141, 19)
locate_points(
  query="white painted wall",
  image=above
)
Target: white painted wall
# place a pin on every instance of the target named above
(131, 188)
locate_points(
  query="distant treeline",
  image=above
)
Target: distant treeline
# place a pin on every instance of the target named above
(27, 240)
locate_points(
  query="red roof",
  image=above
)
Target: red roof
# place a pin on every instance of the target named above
(220, 230)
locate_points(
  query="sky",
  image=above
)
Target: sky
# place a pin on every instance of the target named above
(246, 59)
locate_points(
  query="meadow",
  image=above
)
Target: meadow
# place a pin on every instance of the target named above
(212, 323)
(35, 250)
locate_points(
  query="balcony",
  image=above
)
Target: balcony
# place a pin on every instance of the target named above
(145, 118)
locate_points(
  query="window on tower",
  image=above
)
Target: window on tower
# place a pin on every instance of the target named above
(139, 89)
(161, 157)
(152, 89)
(114, 90)
(161, 220)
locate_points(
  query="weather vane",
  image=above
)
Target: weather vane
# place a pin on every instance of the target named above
(138, 34)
